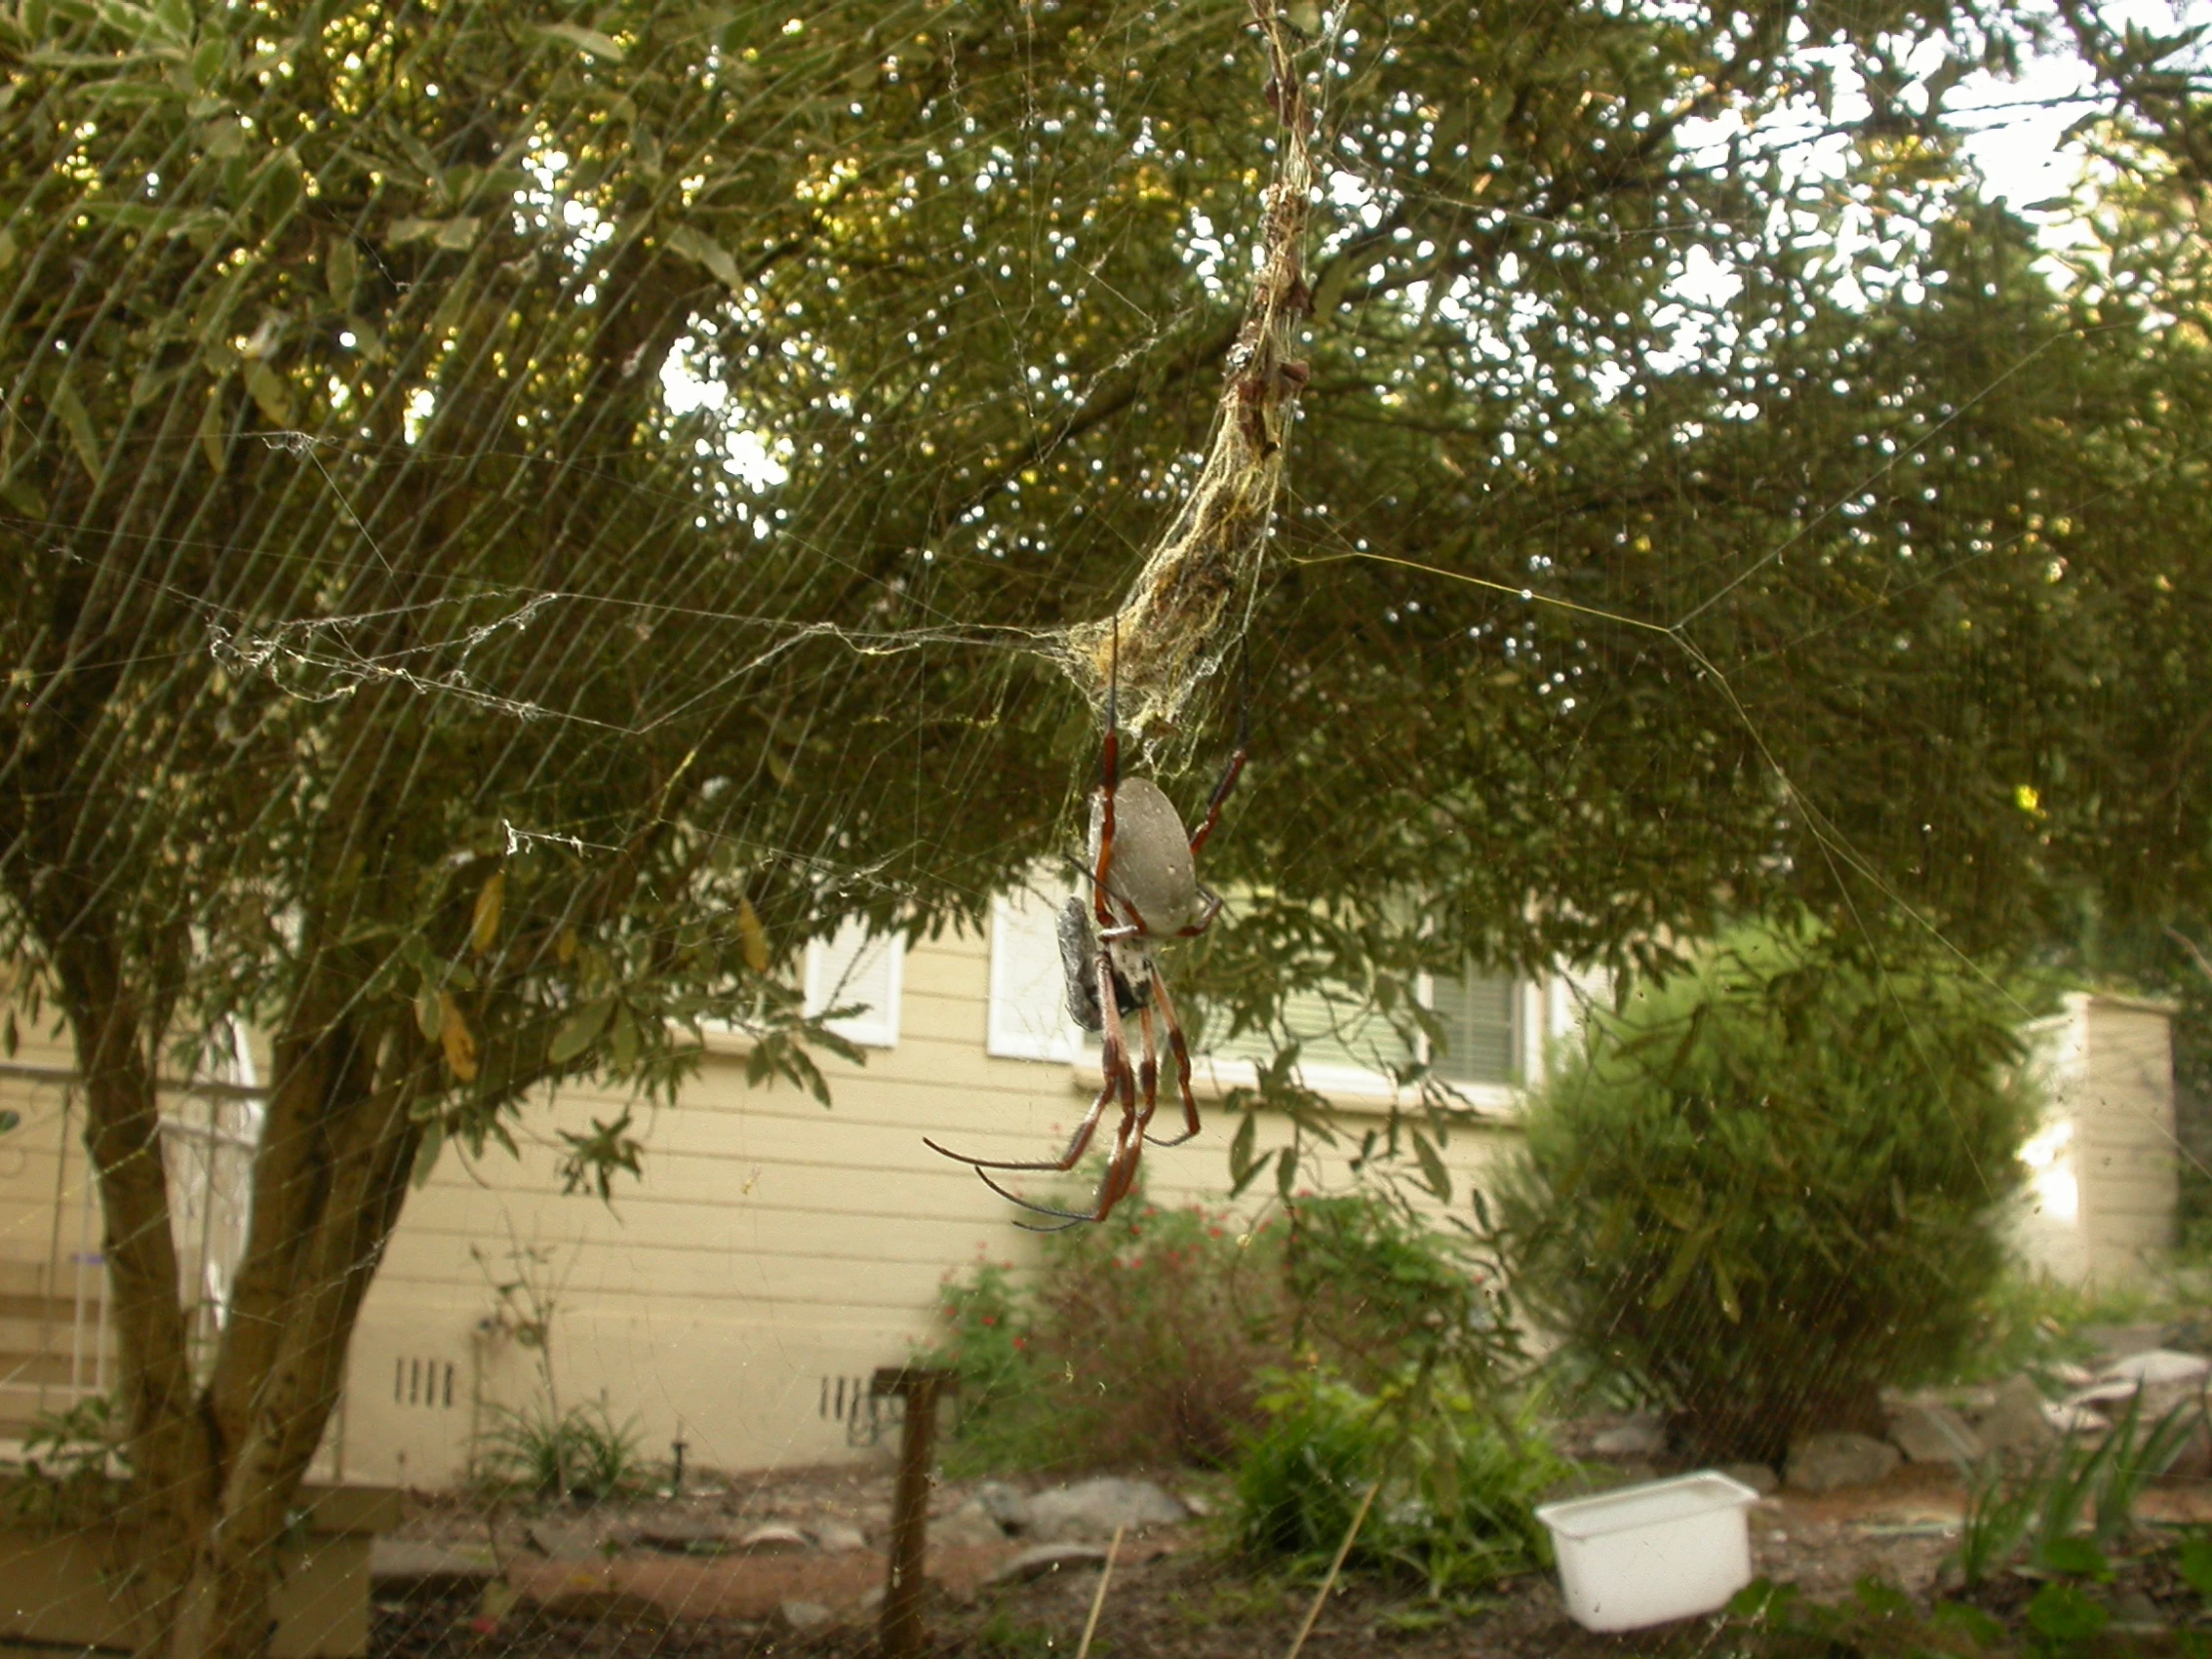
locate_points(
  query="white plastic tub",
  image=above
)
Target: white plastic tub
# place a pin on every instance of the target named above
(1645, 1555)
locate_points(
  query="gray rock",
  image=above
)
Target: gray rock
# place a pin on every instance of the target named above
(2074, 1420)
(1093, 1508)
(1641, 1436)
(1007, 1505)
(837, 1537)
(2015, 1423)
(775, 1538)
(2134, 1611)
(1758, 1477)
(1039, 1559)
(2156, 1367)
(406, 1569)
(1934, 1435)
(799, 1617)
(1823, 1462)
(970, 1523)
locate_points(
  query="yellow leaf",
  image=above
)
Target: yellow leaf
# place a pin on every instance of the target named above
(564, 947)
(460, 1048)
(269, 392)
(483, 930)
(753, 936)
(210, 429)
(590, 42)
(341, 270)
(78, 424)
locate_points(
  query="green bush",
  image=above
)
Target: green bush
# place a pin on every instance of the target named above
(1457, 1507)
(1773, 1184)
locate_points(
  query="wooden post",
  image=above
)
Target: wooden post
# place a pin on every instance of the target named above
(922, 1388)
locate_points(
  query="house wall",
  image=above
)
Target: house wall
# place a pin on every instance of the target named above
(774, 1255)
(2103, 1168)
(53, 1284)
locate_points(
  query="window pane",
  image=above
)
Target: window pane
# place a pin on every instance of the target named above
(1477, 1016)
(1330, 1032)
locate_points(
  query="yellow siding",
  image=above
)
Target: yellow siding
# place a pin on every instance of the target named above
(772, 1250)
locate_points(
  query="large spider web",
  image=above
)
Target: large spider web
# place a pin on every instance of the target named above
(569, 487)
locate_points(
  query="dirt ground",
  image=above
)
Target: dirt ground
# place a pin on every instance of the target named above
(1174, 1590)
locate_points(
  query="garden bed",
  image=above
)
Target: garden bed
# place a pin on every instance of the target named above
(1174, 1590)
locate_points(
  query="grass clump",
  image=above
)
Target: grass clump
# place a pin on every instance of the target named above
(581, 1453)
(1459, 1486)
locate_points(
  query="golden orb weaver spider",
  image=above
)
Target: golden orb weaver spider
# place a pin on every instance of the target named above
(1143, 871)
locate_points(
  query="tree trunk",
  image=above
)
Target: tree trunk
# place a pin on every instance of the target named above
(215, 1470)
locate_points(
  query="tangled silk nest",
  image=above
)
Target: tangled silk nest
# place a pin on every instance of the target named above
(1187, 604)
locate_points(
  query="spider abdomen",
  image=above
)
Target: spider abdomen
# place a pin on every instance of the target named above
(1152, 872)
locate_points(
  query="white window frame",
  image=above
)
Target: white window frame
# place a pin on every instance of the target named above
(1006, 1036)
(829, 978)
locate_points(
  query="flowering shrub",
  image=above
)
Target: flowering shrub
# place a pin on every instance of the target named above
(1138, 1340)
(1150, 1337)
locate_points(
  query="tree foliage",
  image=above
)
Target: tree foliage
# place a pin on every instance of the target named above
(518, 517)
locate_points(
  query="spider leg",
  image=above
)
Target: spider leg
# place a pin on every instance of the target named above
(1148, 1075)
(1182, 1053)
(1068, 1217)
(1109, 767)
(1214, 903)
(1227, 779)
(1121, 1167)
(1077, 1145)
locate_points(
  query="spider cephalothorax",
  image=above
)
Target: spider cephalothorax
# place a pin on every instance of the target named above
(1143, 876)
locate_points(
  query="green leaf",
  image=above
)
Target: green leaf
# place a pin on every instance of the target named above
(624, 1052)
(1433, 1168)
(706, 253)
(77, 422)
(1678, 1270)
(9, 1119)
(2075, 1557)
(429, 1011)
(581, 1029)
(588, 41)
(1681, 1208)
(2063, 1614)
(426, 1153)
(1970, 1621)
(1240, 1149)
(1883, 1599)
(2194, 1562)
(1285, 1171)
(1724, 1289)
(459, 232)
